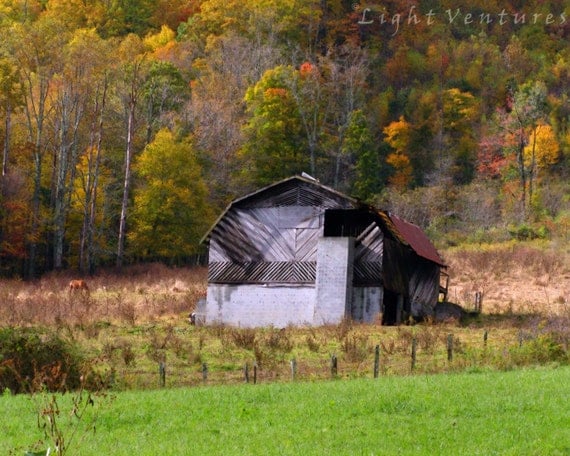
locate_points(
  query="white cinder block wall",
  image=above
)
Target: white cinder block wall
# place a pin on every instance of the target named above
(334, 280)
(260, 305)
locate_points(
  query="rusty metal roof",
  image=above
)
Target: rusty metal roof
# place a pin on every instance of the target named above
(417, 239)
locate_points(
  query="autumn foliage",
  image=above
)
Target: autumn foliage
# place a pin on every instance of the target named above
(127, 126)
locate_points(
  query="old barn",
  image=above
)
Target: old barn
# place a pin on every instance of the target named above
(300, 253)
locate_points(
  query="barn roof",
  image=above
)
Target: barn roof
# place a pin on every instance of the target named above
(284, 191)
(288, 191)
(417, 239)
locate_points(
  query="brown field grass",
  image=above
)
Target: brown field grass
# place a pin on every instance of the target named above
(136, 295)
(515, 278)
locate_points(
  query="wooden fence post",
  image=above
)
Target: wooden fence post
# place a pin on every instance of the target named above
(485, 337)
(334, 366)
(162, 373)
(254, 373)
(293, 369)
(246, 373)
(478, 301)
(450, 347)
(376, 361)
(204, 372)
(414, 349)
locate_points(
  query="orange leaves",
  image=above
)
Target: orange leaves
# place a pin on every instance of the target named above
(403, 170)
(275, 92)
(306, 69)
(398, 136)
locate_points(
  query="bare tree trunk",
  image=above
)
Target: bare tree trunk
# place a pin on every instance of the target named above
(532, 169)
(38, 117)
(71, 113)
(86, 244)
(127, 181)
(6, 150)
(522, 171)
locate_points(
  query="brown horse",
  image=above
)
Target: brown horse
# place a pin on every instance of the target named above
(78, 285)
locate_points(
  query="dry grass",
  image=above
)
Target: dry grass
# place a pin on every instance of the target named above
(136, 295)
(515, 278)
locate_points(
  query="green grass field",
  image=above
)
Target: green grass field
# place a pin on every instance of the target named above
(524, 412)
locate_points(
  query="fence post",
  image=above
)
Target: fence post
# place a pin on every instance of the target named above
(246, 373)
(414, 349)
(162, 373)
(376, 361)
(293, 369)
(204, 372)
(334, 366)
(485, 337)
(254, 373)
(450, 347)
(478, 302)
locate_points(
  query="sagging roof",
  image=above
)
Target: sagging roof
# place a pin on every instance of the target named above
(417, 239)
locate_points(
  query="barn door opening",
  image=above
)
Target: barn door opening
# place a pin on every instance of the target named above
(392, 304)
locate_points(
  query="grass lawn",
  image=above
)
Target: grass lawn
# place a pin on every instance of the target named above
(525, 412)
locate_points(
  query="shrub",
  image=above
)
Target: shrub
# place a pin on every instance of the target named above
(279, 339)
(355, 348)
(243, 337)
(312, 343)
(31, 360)
(540, 350)
(525, 232)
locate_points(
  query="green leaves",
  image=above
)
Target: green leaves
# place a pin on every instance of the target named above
(170, 212)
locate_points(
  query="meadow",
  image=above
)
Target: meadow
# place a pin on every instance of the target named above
(522, 412)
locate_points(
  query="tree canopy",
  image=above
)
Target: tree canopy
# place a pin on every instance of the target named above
(127, 125)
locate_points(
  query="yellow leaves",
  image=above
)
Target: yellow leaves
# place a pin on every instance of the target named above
(459, 109)
(543, 148)
(160, 39)
(398, 134)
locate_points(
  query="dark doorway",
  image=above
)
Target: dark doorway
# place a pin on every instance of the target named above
(390, 315)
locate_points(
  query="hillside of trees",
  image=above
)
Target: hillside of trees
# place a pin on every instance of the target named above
(126, 126)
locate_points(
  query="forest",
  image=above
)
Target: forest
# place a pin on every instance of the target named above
(127, 126)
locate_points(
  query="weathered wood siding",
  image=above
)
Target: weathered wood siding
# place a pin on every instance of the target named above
(424, 287)
(368, 257)
(271, 237)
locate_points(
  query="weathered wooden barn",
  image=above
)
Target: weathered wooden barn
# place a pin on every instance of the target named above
(300, 253)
